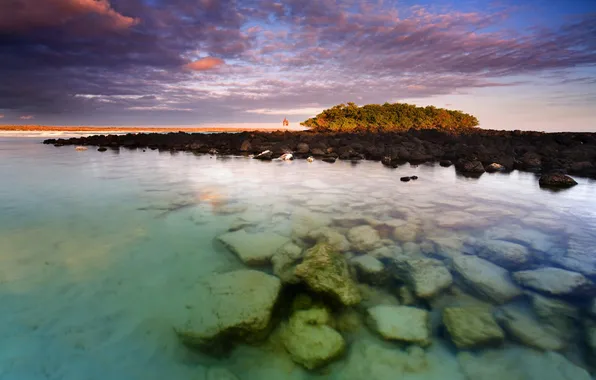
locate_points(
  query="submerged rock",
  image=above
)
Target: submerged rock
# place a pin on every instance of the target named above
(230, 307)
(556, 180)
(310, 341)
(370, 270)
(486, 278)
(406, 233)
(253, 249)
(471, 327)
(530, 332)
(364, 238)
(427, 277)
(219, 373)
(401, 323)
(506, 254)
(592, 309)
(561, 315)
(284, 263)
(555, 281)
(326, 271)
(331, 237)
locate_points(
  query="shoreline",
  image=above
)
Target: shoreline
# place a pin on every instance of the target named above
(472, 152)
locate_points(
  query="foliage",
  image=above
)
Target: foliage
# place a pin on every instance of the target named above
(388, 117)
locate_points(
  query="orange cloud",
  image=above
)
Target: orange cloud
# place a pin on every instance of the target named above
(27, 117)
(203, 64)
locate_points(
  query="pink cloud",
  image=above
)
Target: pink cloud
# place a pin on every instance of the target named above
(203, 64)
(27, 117)
(1, 116)
(23, 15)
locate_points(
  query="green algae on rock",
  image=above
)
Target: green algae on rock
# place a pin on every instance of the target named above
(471, 327)
(326, 271)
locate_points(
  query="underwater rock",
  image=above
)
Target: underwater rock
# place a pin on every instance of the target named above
(364, 238)
(406, 296)
(373, 296)
(253, 249)
(471, 327)
(230, 307)
(559, 314)
(331, 237)
(219, 373)
(401, 323)
(590, 332)
(427, 277)
(592, 309)
(387, 252)
(506, 254)
(348, 321)
(486, 278)
(304, 221)
(326, 271)
(580, 255)
(284, 263)
(555, 281)
(310, 341)
(406, 233)
(411, 249)
(556, 180)
(528, 331)
(370, 270)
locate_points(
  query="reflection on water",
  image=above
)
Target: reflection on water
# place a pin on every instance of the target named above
(104, 256)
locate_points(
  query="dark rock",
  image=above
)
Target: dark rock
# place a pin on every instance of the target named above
(470, 166)
(404, 179)
(302, 148)
(493, 168)
(264, 156)
(246, 146)
(102, 149)
(556, 180)
(317, 152)
(445, 163)
(329, 159)
(414, 177)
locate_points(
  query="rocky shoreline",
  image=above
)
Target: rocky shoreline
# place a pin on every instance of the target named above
(472, 152)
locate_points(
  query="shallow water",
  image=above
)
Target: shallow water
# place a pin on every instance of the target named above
(100, 252)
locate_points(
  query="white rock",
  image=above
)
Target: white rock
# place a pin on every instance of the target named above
(427, 277)
(486, 278)
(506, 254)
(253, 249)
(286, 157)
(530, 332)
(401, 323)
(364, 238)
(555, 281)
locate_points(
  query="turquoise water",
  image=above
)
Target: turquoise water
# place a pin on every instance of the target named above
(100, 252)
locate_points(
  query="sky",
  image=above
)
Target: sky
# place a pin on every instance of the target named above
(514, 64)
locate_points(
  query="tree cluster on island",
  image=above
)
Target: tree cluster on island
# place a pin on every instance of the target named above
(389, 117)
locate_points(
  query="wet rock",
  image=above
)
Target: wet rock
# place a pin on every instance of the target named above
(230, 307)
(302, 148)
(469, 166)
(329, 159)
(284, 263)
(493, 168)
(264, 156)
(506, 254)
(414, 177)
(405, 179)
(81, 148)
(556, 180)
(486, 278)
(445, 163)
(555, 281)
(427, 277)
(364, 238)
(331, 237)
(326, 271)
(246, 146)
(286, 157)
(310, 340)
(215, 373)
(471, 327)
(102, 149)
(253, 249)
(401, 323)
(528, 331)
(370, 270)
(406, 233)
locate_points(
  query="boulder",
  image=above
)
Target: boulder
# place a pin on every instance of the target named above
(266, 155)
(326, 271)
(555, 281)
(304, 221)
(401, 323)
(581, 253)
(370, 270)
(310, 341)
(406, 233)
(302, 148)
(284, 263)
(330, 236)
(493, 168)
(470, 166)
(253, 249)
(471, 327)
(556, 180)
(486, 278)
(561, 315)
(445, 163)
(230, 307)
(364, 238)
(427, 277)
(505, 254)
(246, 146)
(529, 331)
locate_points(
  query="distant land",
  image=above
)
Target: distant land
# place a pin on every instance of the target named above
(42, 128)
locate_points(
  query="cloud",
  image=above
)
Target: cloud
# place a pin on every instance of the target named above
(1, 116)
(203, 64)
(27, 117)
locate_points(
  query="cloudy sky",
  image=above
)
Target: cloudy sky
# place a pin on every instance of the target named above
(515, 64)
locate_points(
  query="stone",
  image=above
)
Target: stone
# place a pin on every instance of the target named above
(581, 253)
(401, 323)
(590, 332)
(302, 148)
(529, 331)
(486, 278)
(310, 159)
(559, 314)
(246, 146)
(326, 271)
(556, 180)
(471, 327)
(493, 168)
(472, 167)
(266, 155)
(364, 238)
(555, 281)
(370, 270)
(406, 296)
(445, 163)
(411, 249)
(374, 295)
(284, 263)
(330, 236)
(387, 252)
(253, 249)
(102, 149)
(427, 277)
(406, 233)
(592, 309)
(304, 221)
(230, 307)
(310, 341)
(220, 373)
(505, 254)
(405, 179)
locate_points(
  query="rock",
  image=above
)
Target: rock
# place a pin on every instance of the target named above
(284, 263)
(253, 249)
(559, 314)
(590, 332)
(329, 159)
(411, 249)
(215, 373)
(331, 237)
(405, 179)
(305, 221)
(401, 323)
(302, 148)
(427, 277)
(326, 271)
(556, 281)
(370, 270)
(592, 309)
(265, 156)
(486, 278)
(528, 331)
(506, 254)
(581, 253)
(494, 167)
(556, 180)
(310, 159)
(389, 252)
(310, 341)
(286, 157)
(246, 146)
(364, 238)
(414, 177)
(81, 148)
(102, 149)
(406, 296)
(472, 167)
(406, 233)
(230, 307)
(471, 327)
(445, 163)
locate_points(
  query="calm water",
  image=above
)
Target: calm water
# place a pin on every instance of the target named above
(99, 253)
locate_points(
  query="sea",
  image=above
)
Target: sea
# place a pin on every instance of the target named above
(101, 254)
